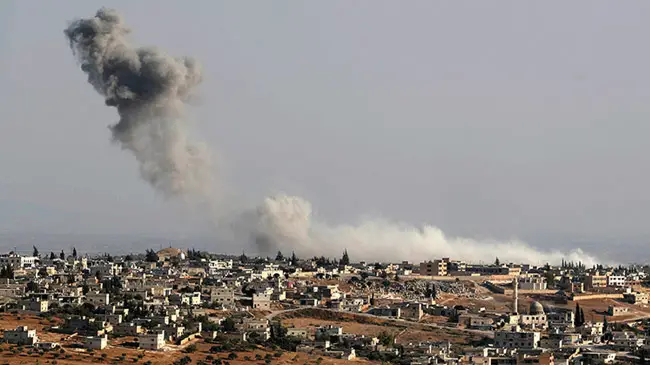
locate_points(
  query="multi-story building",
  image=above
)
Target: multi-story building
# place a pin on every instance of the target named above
(152, 341)
(616, 280)
(224, 296)
(262, 301)
(595, 281)
(516, 339)
(98, 299)
(17, 261)
(532, 283)
(434, 268)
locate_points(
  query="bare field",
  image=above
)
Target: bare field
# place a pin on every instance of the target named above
(116, 354)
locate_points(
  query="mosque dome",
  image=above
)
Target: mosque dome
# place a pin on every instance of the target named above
(536, 308)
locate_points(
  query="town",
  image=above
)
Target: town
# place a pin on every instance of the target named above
(175, 306)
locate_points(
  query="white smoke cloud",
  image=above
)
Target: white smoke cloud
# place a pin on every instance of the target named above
(285, 223)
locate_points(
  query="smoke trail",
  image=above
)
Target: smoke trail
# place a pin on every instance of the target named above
(149, 89)
(285, 223)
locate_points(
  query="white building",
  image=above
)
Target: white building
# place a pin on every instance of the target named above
(152, 341)
(17, 261)
(21, 336)
(216, 265)
(96, 342)
(616, 280)
(516, 339)
(106, 269)
(532, 283)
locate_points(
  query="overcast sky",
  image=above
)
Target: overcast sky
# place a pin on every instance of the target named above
(502, 119)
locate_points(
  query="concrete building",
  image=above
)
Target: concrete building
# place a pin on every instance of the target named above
(17, 261)
(223, 296)
(434, 268)
(298, 333)
(532, 283)
(636, 298)
(535, 318)
(21, 336)
(98, 299)
(96, 342)
(152, 341)
(595, 281)
(411, 311)
(517, 339)
(262, 301)
(616, 310)
(127, 329)
(627, 340)
(34, 305)
(616, 280)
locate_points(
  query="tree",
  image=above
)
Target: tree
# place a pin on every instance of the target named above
(582, 317)
(35, 252)
(52, 257)
(294, 260)
(85, 289)
(497, 262)
(98, 275)
(62, 255)
(228, 324)
(385, 338)
(578, 318)
(150, 256)
(191, 348)
(279, 256)
(128, 258)
(345, 259)
(74, 252)
(605, 324)
(243, 258)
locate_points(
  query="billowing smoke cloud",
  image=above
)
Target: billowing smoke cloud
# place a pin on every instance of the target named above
(149, 89)
(285, 223)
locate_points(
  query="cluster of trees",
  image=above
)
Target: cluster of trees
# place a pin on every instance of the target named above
(193, 254)
(61, 254)
(573, 265)
(151, 256)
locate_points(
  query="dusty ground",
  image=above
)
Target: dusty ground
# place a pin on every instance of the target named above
(405, 332)
(69, 354)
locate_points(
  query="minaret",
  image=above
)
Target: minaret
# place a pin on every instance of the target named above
(515, 295)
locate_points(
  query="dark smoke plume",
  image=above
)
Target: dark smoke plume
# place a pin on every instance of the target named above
(149, 89)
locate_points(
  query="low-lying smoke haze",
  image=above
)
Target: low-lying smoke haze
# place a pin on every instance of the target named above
(285, 223)
(149, 89)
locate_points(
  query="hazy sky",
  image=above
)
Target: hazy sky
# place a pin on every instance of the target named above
(495, 119)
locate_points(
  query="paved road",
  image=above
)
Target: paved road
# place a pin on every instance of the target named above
(488, 334)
